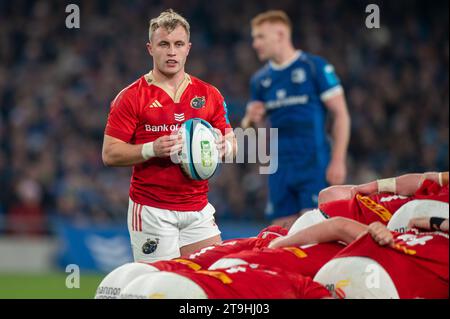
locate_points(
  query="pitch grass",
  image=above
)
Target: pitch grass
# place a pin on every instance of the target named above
(48, 286)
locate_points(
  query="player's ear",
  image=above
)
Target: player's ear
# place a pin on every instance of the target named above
(189, 48)
(281, 35)
(149, 48)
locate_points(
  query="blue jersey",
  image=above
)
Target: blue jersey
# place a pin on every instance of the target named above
(293, 96)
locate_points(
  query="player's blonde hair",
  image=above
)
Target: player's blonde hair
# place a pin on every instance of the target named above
(168, 20)
(272, 16)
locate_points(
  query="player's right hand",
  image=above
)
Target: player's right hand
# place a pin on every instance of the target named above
(364, 189)
(255, 111)
(167, 145)
(381, 234)
(421, 222)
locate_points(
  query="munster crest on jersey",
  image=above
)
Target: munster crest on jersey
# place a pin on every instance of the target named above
(198, 102)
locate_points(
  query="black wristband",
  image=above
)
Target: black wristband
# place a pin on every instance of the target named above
(435, 222)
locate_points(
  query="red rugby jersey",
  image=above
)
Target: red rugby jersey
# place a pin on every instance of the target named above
(305, 261)
(432, 190)
(206, 256)
(380, 207)
(143, 112)
(255, 282)
(417, 264)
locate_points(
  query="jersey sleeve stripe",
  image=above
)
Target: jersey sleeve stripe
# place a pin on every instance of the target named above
(334, 91)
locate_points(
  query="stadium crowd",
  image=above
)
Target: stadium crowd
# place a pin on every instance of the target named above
(56, 85)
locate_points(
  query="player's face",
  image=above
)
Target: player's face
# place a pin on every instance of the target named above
(265, 40)
(169, 50)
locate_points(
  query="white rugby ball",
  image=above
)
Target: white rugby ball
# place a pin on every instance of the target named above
(199, 156)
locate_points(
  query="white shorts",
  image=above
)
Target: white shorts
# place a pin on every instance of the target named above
(158, 234)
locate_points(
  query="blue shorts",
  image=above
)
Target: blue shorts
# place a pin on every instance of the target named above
(292, 189)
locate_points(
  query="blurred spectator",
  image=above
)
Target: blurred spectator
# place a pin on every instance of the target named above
(26, 215)
(56, 85)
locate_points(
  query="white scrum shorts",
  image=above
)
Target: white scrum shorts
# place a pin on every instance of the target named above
(158, 234)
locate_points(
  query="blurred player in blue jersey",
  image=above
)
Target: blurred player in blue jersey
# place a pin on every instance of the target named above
(296, 90)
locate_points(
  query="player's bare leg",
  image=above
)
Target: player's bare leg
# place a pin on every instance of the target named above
(189, 249)
(286, 222)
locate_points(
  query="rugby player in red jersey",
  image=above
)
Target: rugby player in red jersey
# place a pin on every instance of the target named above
(205, 257)
(305, 260)
(379, 263)
(251, 281)
(376, 206)
(381, 206)
(404, 185)
(168, 214)
(386, 264)
(115, 281)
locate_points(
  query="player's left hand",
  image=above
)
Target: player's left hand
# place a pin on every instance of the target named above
(381, 234)
(220, 142)
(336, 172)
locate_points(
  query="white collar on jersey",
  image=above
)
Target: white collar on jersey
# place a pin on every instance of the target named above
(288, 63)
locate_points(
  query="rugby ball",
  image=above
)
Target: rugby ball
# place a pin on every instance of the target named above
(199, 156)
